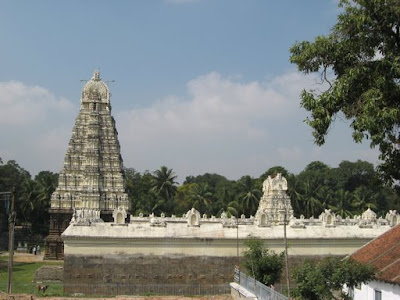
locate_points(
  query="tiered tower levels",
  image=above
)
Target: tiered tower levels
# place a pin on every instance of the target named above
(92, 176)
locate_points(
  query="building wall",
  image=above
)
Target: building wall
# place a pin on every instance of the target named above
(207, 246)
(189, 250)
(126, 271)
(148, 261)
(367, 291)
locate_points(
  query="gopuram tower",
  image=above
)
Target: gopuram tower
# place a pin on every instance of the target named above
(274, 206)
(92, 177)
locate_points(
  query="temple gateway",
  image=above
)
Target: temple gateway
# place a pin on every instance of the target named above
(102, 246)
(92, 174)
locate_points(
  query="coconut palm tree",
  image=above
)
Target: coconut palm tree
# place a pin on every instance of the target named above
(249, 195)
(364, 198)
(293, 191)
(343, 203)
(27, 199)
(200, 196)
(46, 185)
(310, 204)
(325, 195)
(164, 186)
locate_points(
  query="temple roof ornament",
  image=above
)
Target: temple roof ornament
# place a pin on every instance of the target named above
(275, 184)
(96, 75)
(96, 89)
(368, 215)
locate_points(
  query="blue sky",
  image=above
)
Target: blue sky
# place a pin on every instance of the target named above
(200, 85)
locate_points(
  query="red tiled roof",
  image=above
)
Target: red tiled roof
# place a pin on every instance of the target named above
(384, 253)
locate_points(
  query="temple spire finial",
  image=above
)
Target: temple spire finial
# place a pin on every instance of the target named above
(96, 75)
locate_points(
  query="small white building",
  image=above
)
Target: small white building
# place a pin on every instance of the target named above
(384, 253)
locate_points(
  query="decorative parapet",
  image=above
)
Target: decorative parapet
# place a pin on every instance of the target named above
(119, 215)
(393, 218)
(262, 219)
(327, 219)
(228, 222)
(158, 221)
(86, 217)
(193, 217)
(297, 223)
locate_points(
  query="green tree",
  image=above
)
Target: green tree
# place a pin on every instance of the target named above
(249, 195)
(232, 209)
(46, 183)
(317, 174)
(360, 63)
(325, 196)
(200, 196)
(11, 175)
(364, 198)
(293, 192)
(343, 203)
(351, 175)
(164, 186)
(182, 202)
(325, 279)
(223, 190)
(138, 187)
(273, 171)
(310, 204)
(261, 263)
(27, 199)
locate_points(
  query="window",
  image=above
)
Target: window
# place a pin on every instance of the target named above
(378, 295)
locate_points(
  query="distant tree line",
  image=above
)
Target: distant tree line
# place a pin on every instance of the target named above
(33, 196)
(348, 190)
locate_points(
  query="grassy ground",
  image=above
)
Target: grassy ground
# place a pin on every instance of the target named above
(23, 274)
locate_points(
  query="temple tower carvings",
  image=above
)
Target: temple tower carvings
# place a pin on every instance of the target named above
(92, 175)
(274, 205)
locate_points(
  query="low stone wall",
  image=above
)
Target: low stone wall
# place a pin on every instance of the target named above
(145, 269)
(205, 272)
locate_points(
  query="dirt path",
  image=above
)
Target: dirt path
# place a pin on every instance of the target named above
(25, 257)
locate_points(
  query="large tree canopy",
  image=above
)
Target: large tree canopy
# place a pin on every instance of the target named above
(326, 279)
(360, 63)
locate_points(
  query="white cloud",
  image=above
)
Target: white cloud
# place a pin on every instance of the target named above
(23, 105)
(290, 154)
(225, 126)
(34, 125)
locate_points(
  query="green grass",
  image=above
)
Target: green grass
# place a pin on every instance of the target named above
(23, 274)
